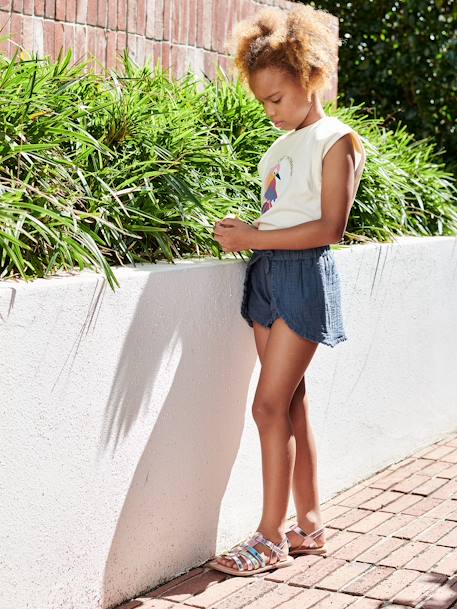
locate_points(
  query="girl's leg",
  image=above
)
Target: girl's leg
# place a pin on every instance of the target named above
(305, 483)
(285, 359)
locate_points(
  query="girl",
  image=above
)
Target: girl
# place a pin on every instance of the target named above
(292, 299)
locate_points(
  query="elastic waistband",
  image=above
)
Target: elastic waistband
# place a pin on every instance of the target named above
(313, 252)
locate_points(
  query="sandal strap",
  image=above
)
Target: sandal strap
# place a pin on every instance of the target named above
(250, 559)
(277, 549)
(234, 556)
(300, 531)
(258, 557)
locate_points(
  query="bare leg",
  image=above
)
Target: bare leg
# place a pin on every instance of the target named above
(285, 360)
(305, 482)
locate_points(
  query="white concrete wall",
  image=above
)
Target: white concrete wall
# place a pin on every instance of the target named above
(128, 452)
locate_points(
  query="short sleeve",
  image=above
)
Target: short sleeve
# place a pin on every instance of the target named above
(334, 137)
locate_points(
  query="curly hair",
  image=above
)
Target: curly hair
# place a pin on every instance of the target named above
(300, 41)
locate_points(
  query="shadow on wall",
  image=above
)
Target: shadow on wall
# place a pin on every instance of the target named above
(170, 516)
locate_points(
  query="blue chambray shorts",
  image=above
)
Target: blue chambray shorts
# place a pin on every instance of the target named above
(301, 286)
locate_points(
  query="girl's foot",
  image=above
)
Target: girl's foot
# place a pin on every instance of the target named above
(301, 539)
(256, 555)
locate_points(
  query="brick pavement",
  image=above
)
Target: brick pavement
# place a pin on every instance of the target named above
(392, 542)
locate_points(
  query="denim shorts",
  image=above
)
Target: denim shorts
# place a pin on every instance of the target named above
(301, 286)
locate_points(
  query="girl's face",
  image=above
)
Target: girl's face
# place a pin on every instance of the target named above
(284, 99)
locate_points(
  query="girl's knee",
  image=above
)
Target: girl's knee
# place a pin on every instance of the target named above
(267, 410)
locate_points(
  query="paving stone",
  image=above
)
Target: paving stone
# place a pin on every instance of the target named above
(342, 576)
(341, 497)
(354, 548)
(437, 531)
(332, 511)
(339, 540)
(419, 589)
(382, 500)
(394, 523)
(205, 596)
(255, 591)
(369, 522)
(278, 595)
(367, 580)
(335, 600)
(442, 469)
(415, 527)
(348, 518)
(450, 472)
(438, 452)
(306, 599)
(300, 564)
(403, 503)
(442, 598)
(316, 572)
(421, 507)
(380, 550)
(430, 487)
(452, 457)
(427, 559)
(447, 490)
(367, 603)
(409, 483)
(450, 539)
(363, 495)
(155, 603)
(399, 557)
(393, 584)
(445, 509)
(448, 565)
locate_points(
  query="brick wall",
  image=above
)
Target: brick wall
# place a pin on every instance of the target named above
(182, 33)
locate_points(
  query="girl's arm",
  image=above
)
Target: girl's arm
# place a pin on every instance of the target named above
(339, 187)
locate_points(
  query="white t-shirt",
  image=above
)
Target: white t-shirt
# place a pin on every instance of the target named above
(291, 173)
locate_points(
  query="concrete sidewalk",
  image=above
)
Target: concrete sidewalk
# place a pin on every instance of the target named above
(391, 542)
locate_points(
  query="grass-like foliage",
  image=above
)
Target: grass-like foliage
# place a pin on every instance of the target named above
(134, 166)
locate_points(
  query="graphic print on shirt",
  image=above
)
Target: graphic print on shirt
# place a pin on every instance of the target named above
(276, 182)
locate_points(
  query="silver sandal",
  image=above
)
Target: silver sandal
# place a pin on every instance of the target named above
(313, 548)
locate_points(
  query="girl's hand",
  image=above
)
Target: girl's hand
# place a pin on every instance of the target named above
(234, 235)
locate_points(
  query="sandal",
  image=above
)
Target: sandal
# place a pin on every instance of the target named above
(254, 561)
(313, 548)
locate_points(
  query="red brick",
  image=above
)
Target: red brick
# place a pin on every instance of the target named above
(382, 500)
(192, 38)
(39, 8)
(437, 531)
(70, 10)
(449, 472)
(414, 527)
(431, 486)
(184, 21)
(206, 595)
(149, 603)
(442, 598)
(158, 19)
(401, 504)
(354, 548)
(367, 603)
(409, 483)
(438, 452)
(305, 599)
(300, 564)
(420, 507)
(332, 511)
(204, 20)
(451, 440)
(81, 11)
(380, 550)
(60, 10)
(141, 18)
(80, 41)
(68, 36)
(427, 559)
(49, 41)
(343, 575)
(16, 5)
(316, 572)
(112, 14)
(50, 9)
(359, 498)
(122, 15)
(335, 600)
(448, 565)
(91, 12)
(439, 468)
(451, 457)
(419, 589)
(150, 19)
(257, 589)
(447, 491)
(445, 509)
(102, 9)
(348, 518)
(59, 41)
(167, 13)
(450, 539)
(371, 521)
(111, 49)
(368, 580)
(275, 598)
(399, 557)
(393, 584)
(339, 540)
(27, 7)
(343, 495)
